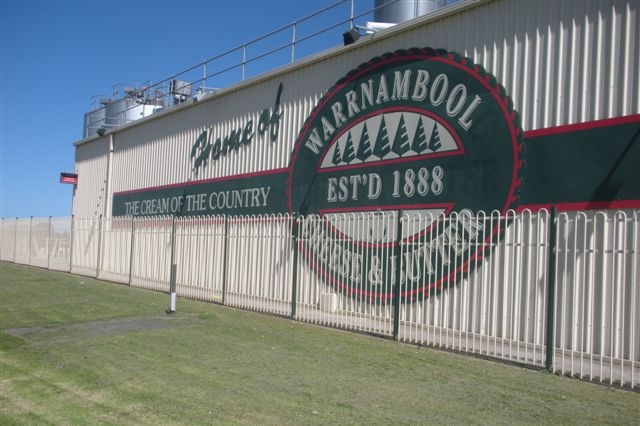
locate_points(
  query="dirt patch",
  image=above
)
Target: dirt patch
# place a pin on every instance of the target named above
(86, 330)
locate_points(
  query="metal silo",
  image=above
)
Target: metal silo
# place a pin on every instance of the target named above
(133, 106)
(391, 11)
(94, 119)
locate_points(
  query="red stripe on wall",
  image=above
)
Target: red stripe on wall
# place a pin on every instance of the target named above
(569, 128)
(200, 182)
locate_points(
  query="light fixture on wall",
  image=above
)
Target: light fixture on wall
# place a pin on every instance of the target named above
(353, 34)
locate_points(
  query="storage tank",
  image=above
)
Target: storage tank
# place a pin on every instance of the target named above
(391, 11)
(94, 119)
(128, 109)
(121, 112)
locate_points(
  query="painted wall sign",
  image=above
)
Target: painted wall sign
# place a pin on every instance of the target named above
(209, 146)
(235, 195)
(417, 131)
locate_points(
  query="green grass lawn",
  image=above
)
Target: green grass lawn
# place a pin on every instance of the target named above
(74, 350)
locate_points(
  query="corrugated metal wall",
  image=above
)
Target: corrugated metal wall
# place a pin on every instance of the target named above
(91, 165)
(561, 63)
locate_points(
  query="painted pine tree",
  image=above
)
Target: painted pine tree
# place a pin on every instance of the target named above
(364, 148)
(383, 144)
(420, 138)
(434, 141)
(349, 153)
(401, 143)
(337, 156)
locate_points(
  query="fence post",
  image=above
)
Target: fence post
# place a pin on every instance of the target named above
(551, 292)
(294, 279)
(397, 275)
(29, 240)
(133, 223)
(225, 259)
(99, 250)
(15, 240)
(71, 236)
(174, 269)
(49, 245)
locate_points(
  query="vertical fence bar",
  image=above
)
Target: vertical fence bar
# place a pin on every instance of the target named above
(397, 275)
(29, 241)
(172, 287)
(225, 258)
(551, 292)
(173, 268)
(15, 239)
(131, 248)
(294, 278)
(71, 236)
(99, 247)
(635, 253)
(620, 318)
(49, 245)
(599, 320)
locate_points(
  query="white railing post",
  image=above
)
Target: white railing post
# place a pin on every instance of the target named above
(551, 293)
(635, 250)
(29, 241)
(397, 277)
(71, 236)
(204, 76)
(131, 243)
(99, 248)
(295, 238)
(49, 245)
(293, 41)
(225, 258)
(15, 240)
(244, 59)
(173, 269)
(352, 12)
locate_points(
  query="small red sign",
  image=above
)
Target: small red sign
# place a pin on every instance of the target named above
(69, 178)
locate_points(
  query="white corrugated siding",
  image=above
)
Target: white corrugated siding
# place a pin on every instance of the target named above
(561, 63)
(91, 166)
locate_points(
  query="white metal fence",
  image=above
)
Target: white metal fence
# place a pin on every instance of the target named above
(499, 306)
(529, 287)
(597, 297)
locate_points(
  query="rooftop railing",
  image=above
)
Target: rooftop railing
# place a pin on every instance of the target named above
(286, 44)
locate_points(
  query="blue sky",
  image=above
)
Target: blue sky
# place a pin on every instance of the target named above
(55, 55)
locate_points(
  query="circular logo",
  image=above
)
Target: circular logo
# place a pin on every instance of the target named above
(421, 132)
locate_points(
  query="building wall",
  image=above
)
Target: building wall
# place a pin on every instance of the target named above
(560, 62)
(91, 162)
